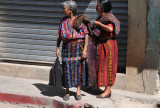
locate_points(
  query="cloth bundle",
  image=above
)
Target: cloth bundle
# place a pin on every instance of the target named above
(97, 31)
(78, 23)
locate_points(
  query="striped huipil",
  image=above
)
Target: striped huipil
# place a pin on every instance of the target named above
(107, 55)
(74, 68)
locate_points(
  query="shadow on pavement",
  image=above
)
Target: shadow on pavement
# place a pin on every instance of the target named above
(51, 91)
(92, 90)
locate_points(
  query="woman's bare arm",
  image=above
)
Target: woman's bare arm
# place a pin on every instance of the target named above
(58, 44)
(84, 52)
(107, 28)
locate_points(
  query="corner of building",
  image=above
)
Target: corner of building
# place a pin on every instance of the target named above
(143, 47)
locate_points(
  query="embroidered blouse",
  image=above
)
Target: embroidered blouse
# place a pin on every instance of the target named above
(67, 32)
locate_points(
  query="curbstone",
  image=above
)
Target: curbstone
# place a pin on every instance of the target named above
(37, 101)
(21, 99)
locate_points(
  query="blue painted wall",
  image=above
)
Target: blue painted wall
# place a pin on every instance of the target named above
(153, 39)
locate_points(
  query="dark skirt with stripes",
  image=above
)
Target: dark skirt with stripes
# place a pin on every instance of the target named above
(74, 68)
(107, 60)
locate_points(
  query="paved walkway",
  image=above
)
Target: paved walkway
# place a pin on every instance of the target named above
(36, 92)
(8, 105)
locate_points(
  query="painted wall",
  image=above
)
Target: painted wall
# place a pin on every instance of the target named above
(153, 39)
(152, 56)
(143, 59)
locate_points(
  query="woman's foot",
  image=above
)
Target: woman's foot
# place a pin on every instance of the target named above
(66, 97)
(106, 93)
(78, 93)
(78, 97)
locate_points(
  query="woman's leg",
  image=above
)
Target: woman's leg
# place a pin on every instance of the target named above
(78, 93)
(67, 91)
(106, 91)
(78, 90)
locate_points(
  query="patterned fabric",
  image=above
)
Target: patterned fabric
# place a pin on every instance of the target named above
(108, 18)
(91, 57)
(67, 32)
(107, 60)
(74, 69)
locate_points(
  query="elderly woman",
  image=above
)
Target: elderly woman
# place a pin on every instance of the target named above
(107, 49)
(74, 50)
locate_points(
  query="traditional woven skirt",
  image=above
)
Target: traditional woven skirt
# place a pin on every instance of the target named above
(107, 60)
(91, 57)
(74, 68)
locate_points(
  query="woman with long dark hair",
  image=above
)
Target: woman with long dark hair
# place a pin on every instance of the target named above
(107, 26)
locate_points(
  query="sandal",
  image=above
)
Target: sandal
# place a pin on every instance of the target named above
(66, 97)
(78, 97)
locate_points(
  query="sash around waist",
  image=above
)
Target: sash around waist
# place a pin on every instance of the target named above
(104, 40)
(73, 41)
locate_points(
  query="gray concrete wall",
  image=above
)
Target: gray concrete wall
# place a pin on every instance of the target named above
(25, 71)
(137, 27)
(143, 46)
(42, 73)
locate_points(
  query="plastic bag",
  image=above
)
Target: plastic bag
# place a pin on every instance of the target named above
(55, 74)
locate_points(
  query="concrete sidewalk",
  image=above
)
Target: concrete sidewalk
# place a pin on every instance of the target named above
(33, 93)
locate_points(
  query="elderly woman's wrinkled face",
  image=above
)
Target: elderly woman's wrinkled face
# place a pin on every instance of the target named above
(66, 11)
(99, 8)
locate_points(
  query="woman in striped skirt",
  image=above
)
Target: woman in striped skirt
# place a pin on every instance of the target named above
(74, 50)
(107, 49)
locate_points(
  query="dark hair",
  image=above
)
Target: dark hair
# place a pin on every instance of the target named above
(106, 5)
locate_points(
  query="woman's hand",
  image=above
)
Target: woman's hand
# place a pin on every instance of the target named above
(84, 54)
(58, 52)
